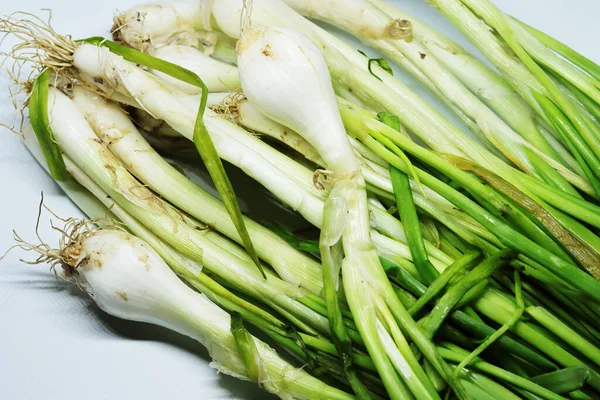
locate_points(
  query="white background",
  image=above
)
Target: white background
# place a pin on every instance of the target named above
(54, 343)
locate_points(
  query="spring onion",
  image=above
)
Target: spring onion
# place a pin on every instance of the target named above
(379, 30)
(128, 280)
(298, 66)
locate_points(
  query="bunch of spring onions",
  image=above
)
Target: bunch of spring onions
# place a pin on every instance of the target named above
(465, 269)
(479, 96)
(558, 83)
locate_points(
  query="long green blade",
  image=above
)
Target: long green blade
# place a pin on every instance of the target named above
(363, 127)
(408, 213)
(503, 329)
(567, 52)
(38, 115)
(202, 139)
(460, 266)
(498, 21)
(581, 151)
(410, 219)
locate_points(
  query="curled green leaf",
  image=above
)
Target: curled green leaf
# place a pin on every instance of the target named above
(38, 115)
(381, 62)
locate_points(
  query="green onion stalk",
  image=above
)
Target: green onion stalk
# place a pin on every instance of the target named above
(455, 354)
(408, 214)
(288, 180)
(303, 100)
(214, 238)
(216, 75)
(262, 69)
(195, 240)
(77, 95)
(378, 178)
(579, 252)
(510, 312)
(373, 167)
(478, 77)
(349, 69)
(122, 138)
(580, 230)
(537, 66)
(417, 296)
(376, 172)
(367, 129)
(363, 129)
(533, 295)
(128, 57)
(115, 209)
(99, 206)
(219, 255)
(396, 39)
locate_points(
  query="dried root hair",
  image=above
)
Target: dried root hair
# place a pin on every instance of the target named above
(74, 232)
(38, 47)
(229, 106)
(39, 43)
(16, 89)
(116, 30)
(138, 40)
(246, 17)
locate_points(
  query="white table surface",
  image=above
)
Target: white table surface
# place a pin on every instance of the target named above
(54, 343)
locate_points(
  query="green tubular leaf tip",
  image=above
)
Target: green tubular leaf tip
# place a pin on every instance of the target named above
(503, 329)
(460, 266)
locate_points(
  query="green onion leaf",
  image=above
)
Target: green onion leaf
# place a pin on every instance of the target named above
(408, 212)
(381, 62)
(410, 220)
(202, 139)
(461, 265)
(394, 122)
(503, 329)
(586, 159)
(580, 251)
(306, 245)
(567, 52)
(565, 380)
(38, 114)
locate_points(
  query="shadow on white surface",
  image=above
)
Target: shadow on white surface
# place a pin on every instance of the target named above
(68, 298)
